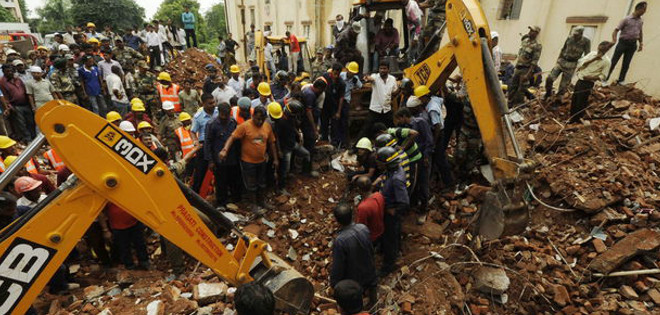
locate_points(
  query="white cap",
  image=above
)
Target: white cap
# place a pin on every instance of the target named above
(494, 35)
(11, 51)
(17, 62)
(168, 105)
(63, 47)
(413, 102)
(126, 126)
(35, 69)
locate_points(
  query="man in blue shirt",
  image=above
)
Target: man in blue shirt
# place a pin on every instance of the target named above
(225, 171)
(91, 83)
(200, 120)
(188, 19)
(132, 40)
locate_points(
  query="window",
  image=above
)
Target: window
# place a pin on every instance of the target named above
(252, 17)
(306, 29)
(510, 9)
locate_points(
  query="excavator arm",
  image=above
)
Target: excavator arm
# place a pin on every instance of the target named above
(111, 166)
(504, 211)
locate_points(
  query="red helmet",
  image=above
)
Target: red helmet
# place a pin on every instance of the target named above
(25, 183)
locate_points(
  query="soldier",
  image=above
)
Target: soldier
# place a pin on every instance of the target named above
(125, 54)
(167, 126)
(574, 48)
(318, 66)
(436, 16)
(528, 58)
(145, 83)
(62, 82)
(468, 142)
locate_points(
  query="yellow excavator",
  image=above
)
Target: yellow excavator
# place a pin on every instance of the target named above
(112, 166)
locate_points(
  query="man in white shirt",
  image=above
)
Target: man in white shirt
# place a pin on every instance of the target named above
(268, 57)
(153, 43)
(117, 91)
(384, 88)
(223, 93)
(236, 82)
(496, 51)
(591, 68)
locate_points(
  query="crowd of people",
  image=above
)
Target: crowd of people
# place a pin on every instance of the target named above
(240, 126)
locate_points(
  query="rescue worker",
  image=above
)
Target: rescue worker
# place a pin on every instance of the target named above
(145, 128)
(289, 143)
(31, 171)
(366, 159)
(334, 111)
(125, 54)
(278, 87)
(528, 58)
(318, 66)
(265, 96)
(397, 203)
(167, 125)
(575, 46)
(235, 81)
(243, 111)
(113, 118)
(54, 160)
(62, 82)
(190, 97)
(137, 113)
(128, 127)
(168, 91)
(436, 17)
(8, 148)
(186, 138)
(145, 82)
(227, 171)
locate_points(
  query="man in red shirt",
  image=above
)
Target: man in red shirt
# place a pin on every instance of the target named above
(371, 209)
(348, 295)
(127, 233)
(294, 52)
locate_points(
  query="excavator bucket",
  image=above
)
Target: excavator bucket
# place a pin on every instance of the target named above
(293, 292)
(500, 216)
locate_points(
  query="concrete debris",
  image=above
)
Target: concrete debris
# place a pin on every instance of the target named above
(207, 293)
(156, 308)
(93, 291)
(638, 242)
(491, 280)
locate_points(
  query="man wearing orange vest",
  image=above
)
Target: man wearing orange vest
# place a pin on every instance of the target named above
(166, 130)
(8, 148)
(30, 171)
(55, 161)
(186, 138)
(243, 111)
(168, 91)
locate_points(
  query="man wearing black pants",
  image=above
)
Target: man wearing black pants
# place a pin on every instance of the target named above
(631, 32)
(590, 69)
(153, 42)
(226, 172)
(188, 19)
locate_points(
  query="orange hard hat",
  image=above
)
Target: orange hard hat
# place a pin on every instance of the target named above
(25, 183)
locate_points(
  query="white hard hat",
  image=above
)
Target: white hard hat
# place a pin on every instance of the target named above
(126, 126)
(63, 47)
(168, 105)
(413, 102)
(36, 69)
(494, 35)
(11, 51)
(17, 62)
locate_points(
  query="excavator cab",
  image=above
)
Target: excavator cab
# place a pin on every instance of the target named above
(110, 165)
(282, 44)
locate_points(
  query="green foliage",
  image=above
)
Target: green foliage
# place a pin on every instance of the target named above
(24, 10)
(119, 14)
(55, 15)
(215, 22)
(6, 16)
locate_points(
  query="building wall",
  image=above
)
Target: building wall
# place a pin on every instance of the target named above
(13, 7)
(551, 16)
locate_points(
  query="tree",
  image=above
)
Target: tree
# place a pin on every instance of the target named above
(6, 16)
(172, 9)
(55, 15)
(215, 21)
(120, 14)
(24, 10)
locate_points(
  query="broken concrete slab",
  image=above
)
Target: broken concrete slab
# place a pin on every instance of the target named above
(638, 242)
(93, 291)
(207, 293)
(156, 307)
(491, 280)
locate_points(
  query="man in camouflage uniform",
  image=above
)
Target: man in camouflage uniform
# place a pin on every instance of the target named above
(145, 83)
(468, 142)
(125, 54)
(574, 48)
(528, 58)
(167, 126)
(318, 66)
(62, 82)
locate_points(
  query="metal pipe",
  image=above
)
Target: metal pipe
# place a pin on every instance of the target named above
(23, 158)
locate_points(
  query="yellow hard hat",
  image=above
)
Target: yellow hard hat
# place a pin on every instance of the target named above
(505, 87)
(164, 76)
(137, 105)
(184, 116)
(42, 48)
(112, 116)
(234, 69)
(365, 143)
(144, 124)
(10, 159)
(275, 110)
(264, 89)
(93, 40)
(353, 67)
(422, 90)
(90, 24)
(6, 142)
